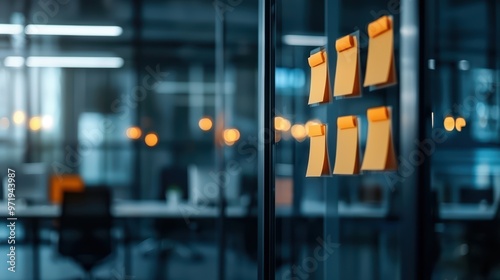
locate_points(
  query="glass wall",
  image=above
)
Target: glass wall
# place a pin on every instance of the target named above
(299, 202)
(153, 100)
(462, 70)
(435, 216)
(343, 227)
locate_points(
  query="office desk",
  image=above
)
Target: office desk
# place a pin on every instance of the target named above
(466, 212)
(317, 209)
(132, 209)
(159, 209)
(125, 210)
(32, 214)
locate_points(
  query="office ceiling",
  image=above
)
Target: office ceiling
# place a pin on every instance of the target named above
(179, 29)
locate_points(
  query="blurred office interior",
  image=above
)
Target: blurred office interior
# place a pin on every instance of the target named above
(133, 106)
(149, 114)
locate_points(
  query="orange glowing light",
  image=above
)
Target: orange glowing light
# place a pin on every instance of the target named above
(35, 123)
(205, 124)
(299, 132)
(134, 132)
(460, 123)
(281, 124)
(151, 139)
(231, 135)
(449, 123)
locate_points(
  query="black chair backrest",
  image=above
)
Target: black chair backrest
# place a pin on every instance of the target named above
(85, 226)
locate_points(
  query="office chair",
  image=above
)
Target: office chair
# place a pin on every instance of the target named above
(85, 227)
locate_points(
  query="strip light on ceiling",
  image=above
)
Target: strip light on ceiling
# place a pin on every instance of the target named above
(73, 30)
(64, 62)
(62, 30)
(304, 40)
(11, 29)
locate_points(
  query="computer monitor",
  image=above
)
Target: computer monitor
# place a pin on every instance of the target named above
(31, 183)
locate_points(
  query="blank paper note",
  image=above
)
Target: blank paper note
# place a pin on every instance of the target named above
(347, 81)
(347, 155)
(318, 152)
(379, 153)
(380, 65)
(319, 91)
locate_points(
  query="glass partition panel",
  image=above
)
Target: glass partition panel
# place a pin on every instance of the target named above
(332, 226)
(462, 70)
(152, 100)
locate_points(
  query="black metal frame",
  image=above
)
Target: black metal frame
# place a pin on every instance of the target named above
(415, 113)
(266, 140)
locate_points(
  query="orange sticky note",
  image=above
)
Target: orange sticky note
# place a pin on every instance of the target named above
(347, 81)
(380, 65)
(347, 156)
(319, 91)
(318, 152)
(379, 153)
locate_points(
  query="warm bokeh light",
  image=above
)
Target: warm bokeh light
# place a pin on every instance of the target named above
(4, 122)
(237, 132)
(460, 123)
(299, 132)
(47, 122)
(286, 125)
(231, 135)
(311, 122)
(277, 122)
(449, 123)
(205, 124)
(281, 124)
(229, 143)
(134, 132)
(277, 136)
(35, 123)
(151, 139)
(19, 117)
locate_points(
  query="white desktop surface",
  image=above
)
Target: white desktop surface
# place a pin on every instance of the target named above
(159, 209)
(133, 209)
(458, 212)
(467, 212)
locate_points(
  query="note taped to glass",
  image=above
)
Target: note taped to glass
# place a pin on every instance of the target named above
(347, 74)
(347, 155)
(379, 152)
(318, 152)
(380, 65)
(319, 90)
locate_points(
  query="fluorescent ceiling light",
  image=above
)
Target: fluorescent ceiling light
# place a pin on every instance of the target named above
(304, 40)
(61, 30)
(73, 30)
(11, 29)
(64, 62)
(14, 61)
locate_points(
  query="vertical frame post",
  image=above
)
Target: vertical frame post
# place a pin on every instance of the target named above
(266, 140)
